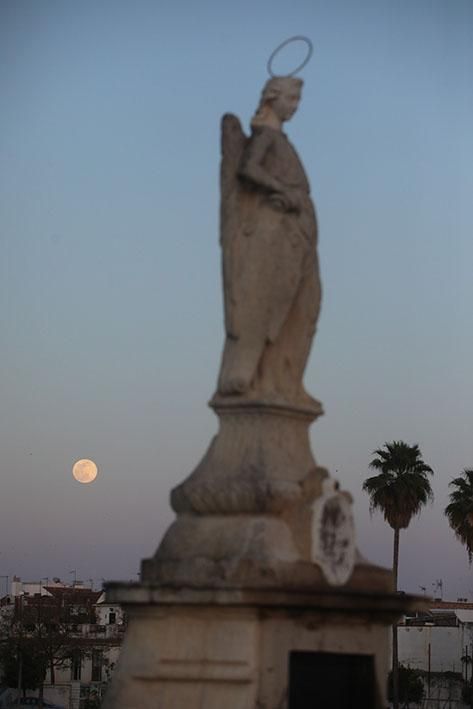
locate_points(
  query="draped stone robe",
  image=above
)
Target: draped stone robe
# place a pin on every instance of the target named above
(272, 289)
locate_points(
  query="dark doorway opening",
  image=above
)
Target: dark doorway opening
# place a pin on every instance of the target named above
(331, 681)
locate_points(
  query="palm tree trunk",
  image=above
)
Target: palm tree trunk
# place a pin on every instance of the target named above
(395, 653)
(396, 556)
(51, 669)
(395, 670)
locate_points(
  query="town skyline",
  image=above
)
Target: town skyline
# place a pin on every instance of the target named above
(112, 311)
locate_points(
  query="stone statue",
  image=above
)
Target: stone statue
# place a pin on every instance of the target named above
(271, 280)
(260, 561)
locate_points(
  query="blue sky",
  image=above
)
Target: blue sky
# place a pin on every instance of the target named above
(111, 313)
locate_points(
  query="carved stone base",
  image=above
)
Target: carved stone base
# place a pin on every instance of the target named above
(235, 649)
(259, 462)
(244, 515)
(250, 514)
(247, 552)
(242, 586)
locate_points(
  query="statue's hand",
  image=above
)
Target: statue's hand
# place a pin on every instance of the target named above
(283, 202)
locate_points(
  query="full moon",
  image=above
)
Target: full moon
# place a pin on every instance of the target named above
(84, 470)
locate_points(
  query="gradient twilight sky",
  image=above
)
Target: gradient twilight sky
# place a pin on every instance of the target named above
(111, 315)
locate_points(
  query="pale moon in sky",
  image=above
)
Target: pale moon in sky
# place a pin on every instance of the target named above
(84, 470)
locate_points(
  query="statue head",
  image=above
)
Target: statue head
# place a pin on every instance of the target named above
(279, 101)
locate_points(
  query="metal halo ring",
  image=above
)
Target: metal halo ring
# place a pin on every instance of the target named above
(296, 38)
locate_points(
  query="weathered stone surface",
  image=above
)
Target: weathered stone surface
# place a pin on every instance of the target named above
(261, 559)
(268, 234)
(254, 514)
(260, 555)
(219, 648)
(244, 515)
(258, 462)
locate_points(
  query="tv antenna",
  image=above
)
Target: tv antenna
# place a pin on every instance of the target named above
(438, 588)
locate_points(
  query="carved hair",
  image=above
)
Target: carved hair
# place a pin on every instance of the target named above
(273, 88)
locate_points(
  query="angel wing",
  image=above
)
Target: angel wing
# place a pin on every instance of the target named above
(234, 141)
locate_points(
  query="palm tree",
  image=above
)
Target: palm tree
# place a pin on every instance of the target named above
(399, 491)
(460, 509)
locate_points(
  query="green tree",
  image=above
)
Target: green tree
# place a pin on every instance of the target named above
(459, 511)
(36, 635)
(399, 491)
(411, 686)
(467, 692)
(23, 661)
(20, 658)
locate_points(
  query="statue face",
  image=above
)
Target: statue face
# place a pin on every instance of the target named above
(286, 103)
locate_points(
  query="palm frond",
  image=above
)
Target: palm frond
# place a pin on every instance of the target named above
(402, 487)
(459, 511)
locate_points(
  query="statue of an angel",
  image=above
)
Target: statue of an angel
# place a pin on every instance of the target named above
(271, 280)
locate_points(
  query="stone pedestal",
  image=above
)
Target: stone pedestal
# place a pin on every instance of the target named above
(257, 586)
(235, 649)
(244, 514)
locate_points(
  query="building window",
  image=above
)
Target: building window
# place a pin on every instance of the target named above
(112, 618)
(76, 665)
(97, 663)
